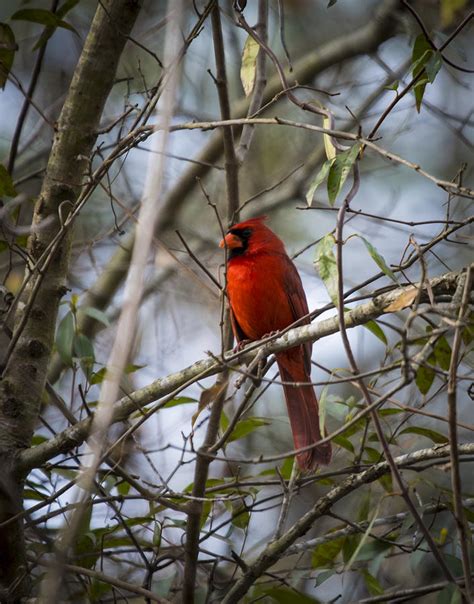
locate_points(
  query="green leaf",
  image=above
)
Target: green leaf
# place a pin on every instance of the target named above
(41, 16)
(424, 59)
(449, 595)
(390, 411)
(248, 67)
(375, 328)
(123, 488)
(6, 182)
(373, 586)
(206, 510)
(379, 259)
(131, 368)
(324, 554)
(7, 53)
(362, 542)
(241, 517)
(468, 332)
(45, 36)
(344, 442)
(370, 551)
(98, 376)
(394, 86)
(325, 262)
(179, 400)
(246, 426)
(96, 314)
(365, 506)
(97, 590)
(157, 532)
(22, 241)
(317, 180)
(339, 171)
(65, 339)
(420, 49)
(424, 378)
(436, 437)
(323, 576)
(349, 547)
(287, 467)
(66, 7)
(433, 65)
(82, 347)
(442, 353)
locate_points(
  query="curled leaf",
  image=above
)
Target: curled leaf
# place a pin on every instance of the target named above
(208, 396)
(248, 67)
(325, 262)
(317, 180)
(339, 171)
(328, 144)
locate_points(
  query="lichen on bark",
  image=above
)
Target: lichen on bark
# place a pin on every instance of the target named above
(24, 377)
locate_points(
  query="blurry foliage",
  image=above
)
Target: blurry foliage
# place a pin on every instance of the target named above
(133, 529)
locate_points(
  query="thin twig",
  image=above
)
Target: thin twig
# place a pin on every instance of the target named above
(459, 514)
(368, 399)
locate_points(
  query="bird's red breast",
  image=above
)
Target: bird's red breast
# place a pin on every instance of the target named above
(266, 295)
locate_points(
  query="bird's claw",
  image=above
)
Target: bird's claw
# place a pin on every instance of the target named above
(241, 345)
(270, 334)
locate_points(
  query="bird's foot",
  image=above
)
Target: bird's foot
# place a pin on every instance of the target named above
(241, 345)
(270, 334)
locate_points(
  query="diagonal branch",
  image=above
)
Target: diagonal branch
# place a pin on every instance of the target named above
(273, 552)
(363, 40)
(25, 375)
(443, 285)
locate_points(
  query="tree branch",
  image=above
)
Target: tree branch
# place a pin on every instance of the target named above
(35, 322)
(75, 435)
(364, 40)
(272, 553)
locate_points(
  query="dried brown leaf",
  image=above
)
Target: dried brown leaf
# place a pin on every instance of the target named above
(403, 300)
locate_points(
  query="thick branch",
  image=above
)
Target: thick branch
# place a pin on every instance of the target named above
(25, 375)
(75, 435)
(362, 41)
(273, 552)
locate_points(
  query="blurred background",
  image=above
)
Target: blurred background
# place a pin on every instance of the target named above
(396, 209)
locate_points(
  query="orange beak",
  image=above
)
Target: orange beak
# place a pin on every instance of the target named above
(231, 241)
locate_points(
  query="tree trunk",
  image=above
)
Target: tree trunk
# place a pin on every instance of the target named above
(24, 378)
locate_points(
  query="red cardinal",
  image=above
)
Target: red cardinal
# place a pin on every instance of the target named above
(266, 295)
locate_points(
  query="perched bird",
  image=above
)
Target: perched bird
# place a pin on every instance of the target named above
(266, 295)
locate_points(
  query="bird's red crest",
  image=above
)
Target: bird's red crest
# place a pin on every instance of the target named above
(251, 222)
(257, 236)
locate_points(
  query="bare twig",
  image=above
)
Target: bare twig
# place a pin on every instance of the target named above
(459, 514)
(191, 550)
(272, 552)
(75, 435)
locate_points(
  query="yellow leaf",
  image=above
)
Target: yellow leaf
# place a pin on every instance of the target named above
(328, 144)
(450, 9)
(207, 397)
(403, 300)
(249, 64)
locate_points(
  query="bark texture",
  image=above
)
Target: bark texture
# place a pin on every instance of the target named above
(24, 378)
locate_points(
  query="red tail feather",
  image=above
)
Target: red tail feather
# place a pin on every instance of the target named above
(303, 412)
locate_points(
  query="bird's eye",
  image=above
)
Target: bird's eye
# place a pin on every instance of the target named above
(246, 233)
